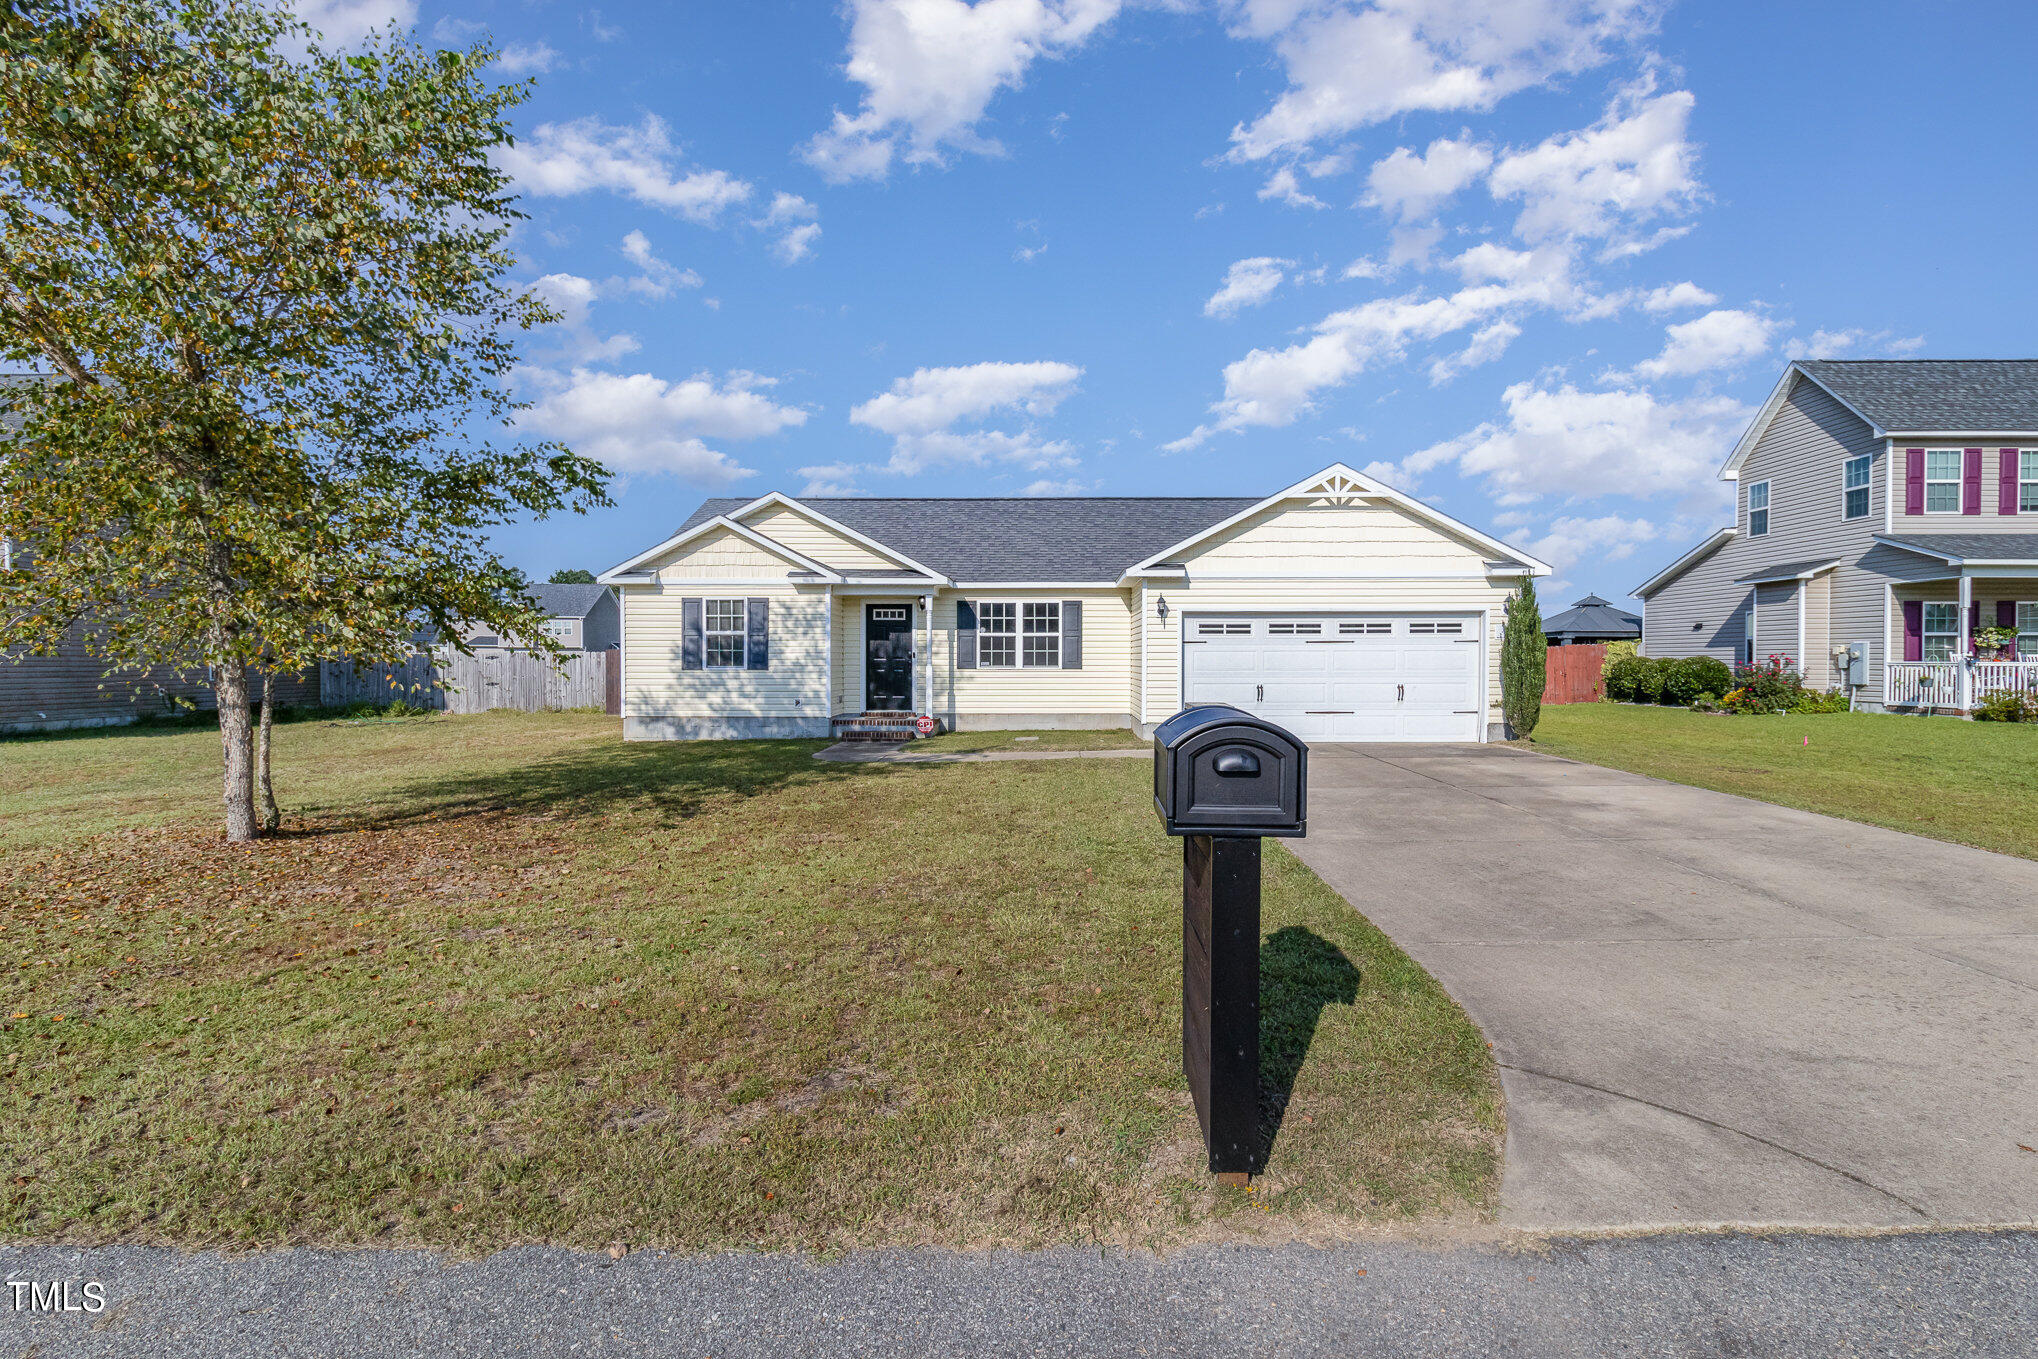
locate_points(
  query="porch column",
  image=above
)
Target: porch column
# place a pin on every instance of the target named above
(927, 607)
(1963, 655)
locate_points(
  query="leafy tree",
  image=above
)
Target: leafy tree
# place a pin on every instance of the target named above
(269, 293)
(575, 576)
(1523, 662)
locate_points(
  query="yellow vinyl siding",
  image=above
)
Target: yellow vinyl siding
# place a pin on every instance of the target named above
(654, 685)
(1319, 539)
(724, 555)
(810, 539)
(1102, 685)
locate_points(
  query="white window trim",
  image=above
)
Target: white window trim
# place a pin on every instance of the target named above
(1019, 634)
(1867, 488)
(1926, 634)
(2032, 653)
(1060, 622)
(741, 633)
(1767, 509)
(982, 662)
(2027, 457)
(1958, 482)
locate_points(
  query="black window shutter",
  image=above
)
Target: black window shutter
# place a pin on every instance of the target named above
(757, 654)
(692, 639)
(965, 635)
(1072, 634)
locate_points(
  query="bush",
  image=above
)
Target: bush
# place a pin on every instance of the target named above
(1617, 652)
(1684, 680)
(1770, 687)
(1623, 679)
(2006, 705)
(1815, 701)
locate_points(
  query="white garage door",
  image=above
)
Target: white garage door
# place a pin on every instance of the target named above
(1341, 677)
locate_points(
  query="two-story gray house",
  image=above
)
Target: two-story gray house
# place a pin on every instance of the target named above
(1881, 501)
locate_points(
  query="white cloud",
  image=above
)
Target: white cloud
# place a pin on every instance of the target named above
(568, 294)
(1831, 344)
(1413, 187)
(1487, 344)
(1247, 283)
(1678, 297)
(792, 217)
(1718, 339)
(1572, 539)
(835, 478)
(641, 162)
(342, 23)
(1046, 487)
(920, 412)
(1353, 64)
(641, 424)
(1565, 442)
(930, 68)
(1631, 166)
(573, 298)
(520, 59)
(1284, 186)
(659, 278)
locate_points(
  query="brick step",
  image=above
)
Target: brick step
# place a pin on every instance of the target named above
(876, 726)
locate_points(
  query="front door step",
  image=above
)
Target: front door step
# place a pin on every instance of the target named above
(876, 726)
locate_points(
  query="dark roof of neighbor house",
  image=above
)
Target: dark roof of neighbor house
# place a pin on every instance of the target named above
(992, 539)
(1787, 570)
(1978, 396)
(1984, 547)
(1593, 617)
(568, 601)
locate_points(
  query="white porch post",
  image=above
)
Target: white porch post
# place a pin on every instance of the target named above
(1963, 654)
(927, 606)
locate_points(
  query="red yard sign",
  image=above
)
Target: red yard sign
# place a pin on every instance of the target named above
(925, 725)
(1575, 674)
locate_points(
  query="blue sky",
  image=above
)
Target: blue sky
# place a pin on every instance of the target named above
(1536, 261)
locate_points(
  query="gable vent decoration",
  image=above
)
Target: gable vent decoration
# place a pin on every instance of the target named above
(1336, 489)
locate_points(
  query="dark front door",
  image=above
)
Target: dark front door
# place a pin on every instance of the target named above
(887, 657)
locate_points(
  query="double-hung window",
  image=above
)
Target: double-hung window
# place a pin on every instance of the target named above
(1040, 632)
(725, 633)
(2027, 488)
(1942, 631)
(1942, 480)
(2027, 629)
(1855, 480)
(998, 635)
(1758, 509)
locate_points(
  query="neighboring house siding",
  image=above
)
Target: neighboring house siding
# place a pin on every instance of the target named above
(1803, 456)
(1776, 623)
(71, 689)
(810, 539)
(1817, 661)
(603, 626)
(1990, 520)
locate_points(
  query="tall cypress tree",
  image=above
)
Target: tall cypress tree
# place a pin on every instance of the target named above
(1523, 657)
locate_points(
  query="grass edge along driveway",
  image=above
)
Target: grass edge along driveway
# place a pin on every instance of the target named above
(510, 979)
(1972, 783)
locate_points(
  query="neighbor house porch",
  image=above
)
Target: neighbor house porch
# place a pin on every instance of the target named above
(1964, 636)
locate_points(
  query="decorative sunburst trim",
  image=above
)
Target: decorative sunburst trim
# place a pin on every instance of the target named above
(1336, 489)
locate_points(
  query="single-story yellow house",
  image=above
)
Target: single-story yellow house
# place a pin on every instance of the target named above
(1339, 608)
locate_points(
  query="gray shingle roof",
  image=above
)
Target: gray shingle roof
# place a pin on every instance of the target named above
(568, 601)
(1987, 547)
(1593, 617)
(1787, 570)
(991, 539)
(1919, 395)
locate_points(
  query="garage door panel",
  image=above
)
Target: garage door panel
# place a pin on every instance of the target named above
(1342, 677)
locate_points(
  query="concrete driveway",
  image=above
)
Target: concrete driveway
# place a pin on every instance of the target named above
(1706, 1010)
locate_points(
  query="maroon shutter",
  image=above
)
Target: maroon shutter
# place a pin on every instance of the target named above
(2006, 486)
(1973, 622)
(1914, 482)
(1914, 629)
(2006, 617)
(1970, 482)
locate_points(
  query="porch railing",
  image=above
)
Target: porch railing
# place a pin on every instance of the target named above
(1936, 684)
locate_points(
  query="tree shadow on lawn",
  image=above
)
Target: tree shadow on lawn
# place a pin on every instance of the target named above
(672, 780)
(1300, 973)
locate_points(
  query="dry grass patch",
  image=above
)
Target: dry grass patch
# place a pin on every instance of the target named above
(509, 979)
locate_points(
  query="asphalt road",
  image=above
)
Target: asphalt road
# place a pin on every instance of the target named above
(1964, 1293)
(1707, 1011)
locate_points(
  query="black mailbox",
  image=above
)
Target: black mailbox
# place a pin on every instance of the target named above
(1221, 771)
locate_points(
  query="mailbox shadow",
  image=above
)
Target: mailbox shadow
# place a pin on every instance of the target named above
(1300, 973)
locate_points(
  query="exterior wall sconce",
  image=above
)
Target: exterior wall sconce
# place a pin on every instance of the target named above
(1161, 608)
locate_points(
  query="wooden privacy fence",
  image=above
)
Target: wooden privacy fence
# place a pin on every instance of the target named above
(1575, 674)
(492, 678)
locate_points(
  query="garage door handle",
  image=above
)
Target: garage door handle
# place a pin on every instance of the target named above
(1400, 693)
(1260, 693)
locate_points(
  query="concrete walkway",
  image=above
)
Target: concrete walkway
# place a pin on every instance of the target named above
(1706, 1009)
(890, 752)
(1789, 1297)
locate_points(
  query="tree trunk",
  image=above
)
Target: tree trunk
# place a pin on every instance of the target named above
(272, 817)
(231, 686)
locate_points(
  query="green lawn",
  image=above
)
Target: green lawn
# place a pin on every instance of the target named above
(967, 742)
(1975, 783)
(508, 979)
